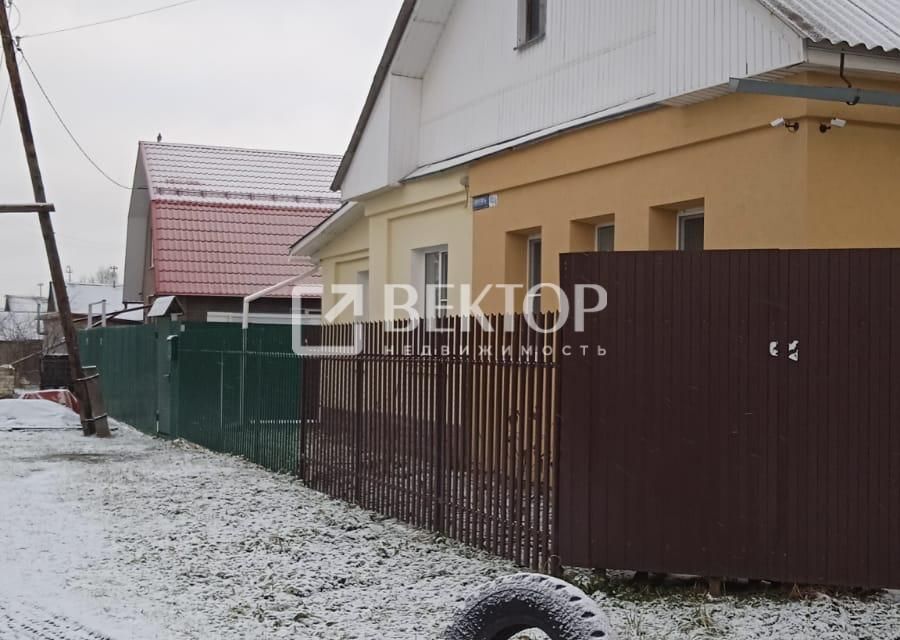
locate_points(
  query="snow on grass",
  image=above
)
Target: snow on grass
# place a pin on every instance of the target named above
(680, 609)
(36, 414)
(137, 538)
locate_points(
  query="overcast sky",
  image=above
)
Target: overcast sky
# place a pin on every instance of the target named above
(267, 74)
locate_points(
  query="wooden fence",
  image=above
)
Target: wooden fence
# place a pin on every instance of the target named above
(745, 421)
(453, 431)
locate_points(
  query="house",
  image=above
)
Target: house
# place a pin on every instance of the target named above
(20, 336)
(208, 226)
(92, 305)
(498, 135)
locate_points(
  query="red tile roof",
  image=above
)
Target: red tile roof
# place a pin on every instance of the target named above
(223, 220)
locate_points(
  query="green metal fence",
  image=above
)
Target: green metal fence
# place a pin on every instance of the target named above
(223, 395)
(126, 358)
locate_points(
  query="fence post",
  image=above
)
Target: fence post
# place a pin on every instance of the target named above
(300, 468)
(440, 432)
(357, 431)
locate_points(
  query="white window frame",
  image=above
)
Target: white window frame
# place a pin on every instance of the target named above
(598, 229)
(419, 274)
(523, 40)
(688, 214)
(362, 279)
(529, 268)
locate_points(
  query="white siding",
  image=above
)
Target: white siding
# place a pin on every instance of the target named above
(369, 170)
(460, 85)
(706, 42)
(406, 100)
(597, 55)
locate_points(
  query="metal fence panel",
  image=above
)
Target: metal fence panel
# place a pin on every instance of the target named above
(452, 431)
(745, 420)
(221, 396)
(126, 358)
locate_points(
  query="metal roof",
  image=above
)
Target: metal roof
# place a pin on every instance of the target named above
(202, 173)
(82, 296)
(873, 24)
(26, 304)
(223, 220)
(212, 249)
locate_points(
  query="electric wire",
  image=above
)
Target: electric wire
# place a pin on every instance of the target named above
(107, 21)
(66, 127)
(12, 5)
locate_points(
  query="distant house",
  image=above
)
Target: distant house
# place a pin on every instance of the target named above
(211, 225)
(20, 324)
(92, 304)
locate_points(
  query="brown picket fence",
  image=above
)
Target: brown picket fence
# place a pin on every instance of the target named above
(452, 430)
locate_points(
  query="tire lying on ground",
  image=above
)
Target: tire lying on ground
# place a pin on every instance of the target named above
(527, 601)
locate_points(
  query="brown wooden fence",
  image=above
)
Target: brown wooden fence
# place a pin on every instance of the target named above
(745, 421)
(452, 431)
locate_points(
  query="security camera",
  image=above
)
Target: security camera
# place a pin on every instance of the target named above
(836, 123)
(792, 126)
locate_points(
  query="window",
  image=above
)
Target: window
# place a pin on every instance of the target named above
(532, 21)
(534, 271)
(362, 279)
(606, 238)
(436, 282)
(691, 231)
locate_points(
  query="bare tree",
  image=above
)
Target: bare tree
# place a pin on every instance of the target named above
(18, 327)
(104, 275)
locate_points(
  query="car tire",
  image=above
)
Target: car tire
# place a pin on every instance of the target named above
(527, 601)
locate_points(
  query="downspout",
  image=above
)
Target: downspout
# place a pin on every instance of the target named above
(245, 319)
(245, 325)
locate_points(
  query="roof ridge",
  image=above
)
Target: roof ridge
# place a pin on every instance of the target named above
(190, 145)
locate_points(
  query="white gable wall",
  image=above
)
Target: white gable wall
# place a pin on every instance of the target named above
(599, 56)
(479, 90)
(369, 170)
(704, 43)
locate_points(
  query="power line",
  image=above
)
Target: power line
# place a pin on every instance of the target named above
(66, 127)
(12, 5)
(107, 21)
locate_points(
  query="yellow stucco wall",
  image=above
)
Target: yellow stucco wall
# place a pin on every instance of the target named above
(760, 187)
(397, 223)
(342, 260)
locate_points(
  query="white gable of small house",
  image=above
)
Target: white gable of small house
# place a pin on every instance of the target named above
(458, 84)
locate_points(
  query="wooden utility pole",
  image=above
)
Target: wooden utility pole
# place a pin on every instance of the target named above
(40, 197)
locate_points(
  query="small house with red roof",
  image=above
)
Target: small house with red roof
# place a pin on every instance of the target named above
(208, 226)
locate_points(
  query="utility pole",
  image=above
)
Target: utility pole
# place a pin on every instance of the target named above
(40, 196)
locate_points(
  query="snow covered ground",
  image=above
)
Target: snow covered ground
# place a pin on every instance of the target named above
(36, 414)
(136, 538)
